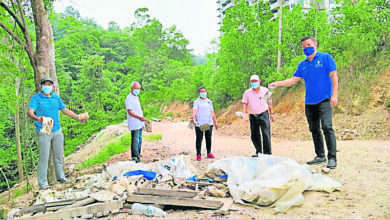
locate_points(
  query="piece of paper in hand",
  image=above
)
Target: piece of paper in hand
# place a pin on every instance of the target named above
(239, 114)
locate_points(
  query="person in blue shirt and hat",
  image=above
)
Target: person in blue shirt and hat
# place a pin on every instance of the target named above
(45, 106)
(319, 72)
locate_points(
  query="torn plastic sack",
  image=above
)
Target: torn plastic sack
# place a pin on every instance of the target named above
(272, 180)
(179, 166)
(149, 175)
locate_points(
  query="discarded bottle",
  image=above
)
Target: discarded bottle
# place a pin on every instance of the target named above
(148, 210)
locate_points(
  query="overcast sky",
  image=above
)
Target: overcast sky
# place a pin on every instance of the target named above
(196, 19)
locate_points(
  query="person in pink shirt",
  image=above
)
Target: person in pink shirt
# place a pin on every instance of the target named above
(257, 102)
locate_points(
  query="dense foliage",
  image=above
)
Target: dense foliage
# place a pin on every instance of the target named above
(95, 66)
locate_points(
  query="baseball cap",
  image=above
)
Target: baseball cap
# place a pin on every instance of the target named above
(255, 77)
(47, 78)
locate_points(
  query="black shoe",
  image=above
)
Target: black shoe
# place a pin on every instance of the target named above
(316, 160)
(331, 164)
(256, 155)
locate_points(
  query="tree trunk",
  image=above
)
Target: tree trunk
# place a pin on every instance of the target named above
(44, 60)
(280, 2)
(17, 130)
(43, 37)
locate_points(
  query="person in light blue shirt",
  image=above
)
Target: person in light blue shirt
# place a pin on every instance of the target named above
(204, 117)
(319, 72)
(47, 104)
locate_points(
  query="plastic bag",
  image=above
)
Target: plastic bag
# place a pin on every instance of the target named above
(149, 175)
(270, 180)
(179, 166)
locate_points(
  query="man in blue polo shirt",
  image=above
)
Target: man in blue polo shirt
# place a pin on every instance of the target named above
(47, 104)
(319, 72)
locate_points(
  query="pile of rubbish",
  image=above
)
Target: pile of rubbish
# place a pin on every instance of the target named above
(137, 188)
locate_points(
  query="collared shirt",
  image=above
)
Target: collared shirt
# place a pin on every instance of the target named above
(133, 104)
(315, 73)
(257, 101)
(204, 111)
(47, 107)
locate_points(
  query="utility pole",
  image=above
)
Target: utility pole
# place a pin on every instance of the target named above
(280, 37)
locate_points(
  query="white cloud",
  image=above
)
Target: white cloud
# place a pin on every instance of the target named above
(196, 19)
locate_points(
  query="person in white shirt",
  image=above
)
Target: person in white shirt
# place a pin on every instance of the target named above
(135, 119)
(204, 117)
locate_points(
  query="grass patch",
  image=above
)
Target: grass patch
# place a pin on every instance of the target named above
(169, 114)
(153, 137)
(16, 192)
(21, 191)
(108, 151)
(387, 103)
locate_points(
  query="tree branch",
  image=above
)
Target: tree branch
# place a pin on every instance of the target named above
(13, 35)
(26, 34)
(13, 15)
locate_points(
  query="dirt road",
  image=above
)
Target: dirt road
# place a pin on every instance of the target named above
(363, 168)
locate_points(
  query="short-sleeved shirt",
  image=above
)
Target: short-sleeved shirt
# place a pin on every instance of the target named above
(315, 73)
(47, 107)
(133, 104)
(204, 109)
(257, 101)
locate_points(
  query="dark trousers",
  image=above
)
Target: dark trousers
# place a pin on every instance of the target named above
(261, 122)
(136, 143)
(199, 138)
(319, 116)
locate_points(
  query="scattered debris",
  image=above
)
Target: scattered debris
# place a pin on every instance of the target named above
(173, 201)
(165, 192)
(95, 210)
(325, 170)
(111, 189)
(348, 134)
(147, 210)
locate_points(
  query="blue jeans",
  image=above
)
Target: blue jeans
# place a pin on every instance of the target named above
(56, 141)
(136, 142)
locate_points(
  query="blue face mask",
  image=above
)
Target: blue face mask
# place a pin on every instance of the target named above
(254, 85)
(203, 94)
(136, 92)
(308, 51)
(47, 89)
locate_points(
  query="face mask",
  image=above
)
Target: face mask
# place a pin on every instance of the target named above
(47, 89)
(136, 92)
(254, 85)
(203, 94)
(308, 51)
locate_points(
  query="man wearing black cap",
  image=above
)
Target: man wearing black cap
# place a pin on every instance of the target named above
(45, 106)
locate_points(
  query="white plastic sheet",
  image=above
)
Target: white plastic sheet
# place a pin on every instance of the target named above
(272, 180)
